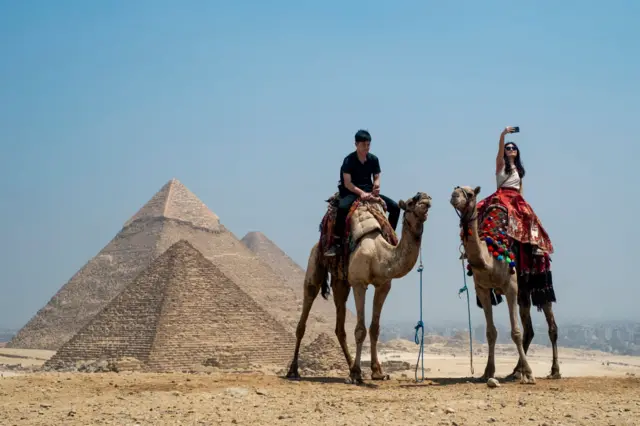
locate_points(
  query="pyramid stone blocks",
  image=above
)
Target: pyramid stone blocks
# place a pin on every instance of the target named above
(90, 288)
(180, 313)
(293, 275)
(174, 213)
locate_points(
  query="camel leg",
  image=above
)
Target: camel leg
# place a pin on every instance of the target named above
(340, 296)
(524, 304)
(374, 330)
(516, 334)
(359, 294)
(492, 333)
(553, 335)
(314, 277)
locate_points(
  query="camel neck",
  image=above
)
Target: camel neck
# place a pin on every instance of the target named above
(406, 252)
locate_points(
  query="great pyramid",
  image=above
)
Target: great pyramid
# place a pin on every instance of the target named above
(293, 275)
(179, 314)
(173, 213)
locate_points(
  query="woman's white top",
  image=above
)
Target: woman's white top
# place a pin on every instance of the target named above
(510, 181)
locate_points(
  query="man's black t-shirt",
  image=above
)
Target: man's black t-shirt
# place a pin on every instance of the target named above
(361, 173)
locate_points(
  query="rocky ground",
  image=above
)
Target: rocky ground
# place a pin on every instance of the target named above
(252, 399)
(598, 389)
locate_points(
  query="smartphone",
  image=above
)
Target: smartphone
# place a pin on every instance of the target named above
(516, 129)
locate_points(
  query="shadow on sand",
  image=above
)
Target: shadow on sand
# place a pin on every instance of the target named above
(443, 381)
(330, 380)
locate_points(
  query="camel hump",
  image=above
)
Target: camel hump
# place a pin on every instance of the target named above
(363, 221)
(369, 216)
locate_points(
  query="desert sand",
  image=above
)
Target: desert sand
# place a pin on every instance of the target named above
(596, 389)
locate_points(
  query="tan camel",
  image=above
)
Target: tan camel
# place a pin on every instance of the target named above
(468, 218)
(373, 261)
(489, 273)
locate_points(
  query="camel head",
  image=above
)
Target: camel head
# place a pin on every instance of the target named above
(464, 200)
(416, 210)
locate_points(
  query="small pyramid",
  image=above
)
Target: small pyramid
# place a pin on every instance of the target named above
(181, 313)
(174, 213)
(322, 355)
(293, 276)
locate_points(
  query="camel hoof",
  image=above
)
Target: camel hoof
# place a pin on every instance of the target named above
(527, 379)
(516, 375)
(354, 379)
(555, 376)
(511, 378)
(487, 375)
(293, 375)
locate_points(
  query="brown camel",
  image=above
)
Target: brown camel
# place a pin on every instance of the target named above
(373, 261)
(489, 273)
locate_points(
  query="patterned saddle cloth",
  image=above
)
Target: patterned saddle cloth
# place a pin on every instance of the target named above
(364, 217)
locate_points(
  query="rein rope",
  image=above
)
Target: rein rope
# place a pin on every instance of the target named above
(420, 327)
(464, 224)
(463, 290)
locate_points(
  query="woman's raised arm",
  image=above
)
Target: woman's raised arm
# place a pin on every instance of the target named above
(500, 156)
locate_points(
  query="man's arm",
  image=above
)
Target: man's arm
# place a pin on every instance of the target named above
(376, 177)
(350, 186)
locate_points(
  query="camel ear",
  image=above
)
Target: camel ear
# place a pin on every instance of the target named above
(402, 205)
(477, 190)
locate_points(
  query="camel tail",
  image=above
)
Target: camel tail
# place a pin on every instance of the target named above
(326, 288)
(318, 272)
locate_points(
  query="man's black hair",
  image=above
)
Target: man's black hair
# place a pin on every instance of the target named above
(363, 136)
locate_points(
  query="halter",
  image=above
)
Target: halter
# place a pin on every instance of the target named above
(464, 224)
(420, 232)
(464, 220)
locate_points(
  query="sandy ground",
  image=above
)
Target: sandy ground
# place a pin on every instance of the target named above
(589, 394)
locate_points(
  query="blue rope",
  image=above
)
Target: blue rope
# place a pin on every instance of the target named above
(420, 327)
(462, 290)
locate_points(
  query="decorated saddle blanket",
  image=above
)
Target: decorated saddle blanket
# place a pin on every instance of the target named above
(362, 219)
(523, 224)
(493, 229)
(533, 267)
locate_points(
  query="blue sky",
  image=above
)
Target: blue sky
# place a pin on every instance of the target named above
(255, 104)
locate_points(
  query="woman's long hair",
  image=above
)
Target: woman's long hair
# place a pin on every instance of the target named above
(517, 162)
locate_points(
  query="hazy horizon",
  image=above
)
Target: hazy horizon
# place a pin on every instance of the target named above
(103, 103)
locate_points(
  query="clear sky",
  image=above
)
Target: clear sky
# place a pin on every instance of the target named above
(253, 105)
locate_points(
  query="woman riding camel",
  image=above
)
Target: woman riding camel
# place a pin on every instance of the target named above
(530, 240)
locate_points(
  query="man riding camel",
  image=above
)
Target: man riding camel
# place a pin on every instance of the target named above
(359, 178)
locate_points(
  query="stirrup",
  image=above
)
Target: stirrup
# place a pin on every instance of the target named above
(331, 251)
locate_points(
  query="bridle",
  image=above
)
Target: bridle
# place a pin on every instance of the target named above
(417, 233)
(468, 216)
(465, 220)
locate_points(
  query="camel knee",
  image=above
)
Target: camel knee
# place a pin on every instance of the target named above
(553, 332)
(374, 331)
(361, 333)
(492, 335)
(516, 335)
